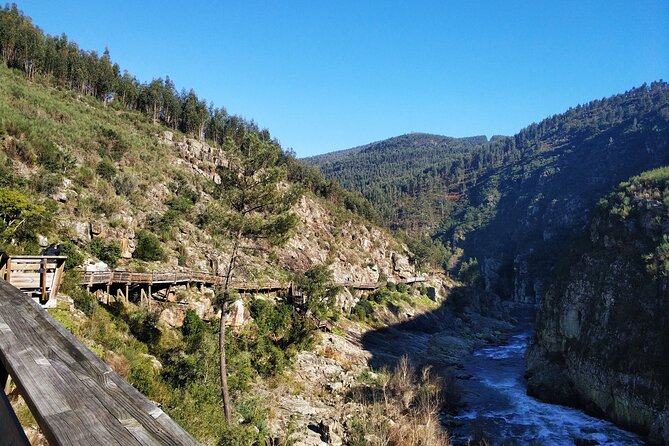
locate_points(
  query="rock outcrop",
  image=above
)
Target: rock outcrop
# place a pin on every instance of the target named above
(354, 251)
(602, 334)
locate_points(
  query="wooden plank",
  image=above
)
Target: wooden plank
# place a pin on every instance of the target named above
(74, 396)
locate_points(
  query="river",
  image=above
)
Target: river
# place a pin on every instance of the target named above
(498, 406)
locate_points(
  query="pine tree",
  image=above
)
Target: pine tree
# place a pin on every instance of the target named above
(253, 213)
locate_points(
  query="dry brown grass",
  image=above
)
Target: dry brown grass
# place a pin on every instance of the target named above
(118, 363)
(402, 409)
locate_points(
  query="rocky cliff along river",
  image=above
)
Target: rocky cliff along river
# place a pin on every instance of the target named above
(497, 404)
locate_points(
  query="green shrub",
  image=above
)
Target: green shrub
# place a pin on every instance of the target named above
(54, 159)
(180, 204)
(21, 216)
(74, 256)
(144, 327)
(193, 330)
(180, 369)
(182, 260)
(148, 247)
(143, 376)
(318, 286)
(470, 273)
(362, 311)
(125, 184)
(109, 252)
(106, 169)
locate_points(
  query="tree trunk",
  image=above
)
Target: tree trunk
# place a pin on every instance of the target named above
(225, 394)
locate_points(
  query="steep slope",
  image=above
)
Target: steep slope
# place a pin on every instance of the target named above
(407, 177)
(112, 175)
(602, 334)
(519, 217)
(514, 202)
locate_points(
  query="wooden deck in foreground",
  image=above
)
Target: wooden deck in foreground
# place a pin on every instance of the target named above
(74, 396)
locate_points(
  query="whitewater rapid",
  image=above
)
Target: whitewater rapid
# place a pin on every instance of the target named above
(497, 405)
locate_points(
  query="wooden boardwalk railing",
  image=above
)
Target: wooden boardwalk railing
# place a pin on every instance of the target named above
(92, 278)
(75, 397)
(39, 276)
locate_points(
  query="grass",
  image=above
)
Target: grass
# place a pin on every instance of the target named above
(400, 407)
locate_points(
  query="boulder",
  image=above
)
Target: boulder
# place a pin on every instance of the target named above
(173, 316)
(82, 231)
(238, 314)
(42, 241)
(93, 266)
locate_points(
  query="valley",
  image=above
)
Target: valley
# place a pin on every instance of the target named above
(418, 290)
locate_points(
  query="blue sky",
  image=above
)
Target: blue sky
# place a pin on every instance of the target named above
(328, 75)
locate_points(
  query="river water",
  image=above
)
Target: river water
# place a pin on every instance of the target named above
(497, 405)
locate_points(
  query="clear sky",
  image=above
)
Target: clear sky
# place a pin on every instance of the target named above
(328, 75)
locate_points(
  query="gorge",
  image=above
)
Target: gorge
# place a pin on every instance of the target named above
(509, 290)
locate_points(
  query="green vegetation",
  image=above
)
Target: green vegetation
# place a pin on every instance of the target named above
(107, 251)
(254, 207)
(644, 200)
(131, 340)
(74, 255)
(318, 286)
(21, 217)
(391, 297)
(148, 247)
(510, 197)
(406, 178)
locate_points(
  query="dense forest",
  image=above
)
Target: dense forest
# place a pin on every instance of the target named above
(406, 177)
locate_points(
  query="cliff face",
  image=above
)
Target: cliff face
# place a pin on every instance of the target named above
(602, 333)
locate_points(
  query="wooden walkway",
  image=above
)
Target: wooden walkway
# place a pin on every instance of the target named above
(91, 279)
(121, 278)
(74, 396)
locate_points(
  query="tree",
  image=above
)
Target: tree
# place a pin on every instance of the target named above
(20, 216)
(253, 212)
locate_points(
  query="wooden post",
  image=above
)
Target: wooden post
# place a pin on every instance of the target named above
(127, 293)
(148, 298)
(8, 275)
(58, 278)
(42, 279)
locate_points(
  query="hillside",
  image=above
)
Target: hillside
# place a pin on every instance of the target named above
(511, 203)
(602, 335)
(519, 217)
(126, 183)
(406, 177)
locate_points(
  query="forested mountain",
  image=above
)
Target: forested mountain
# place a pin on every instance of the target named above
(408, 178)
(503, 200)
(519, 216)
